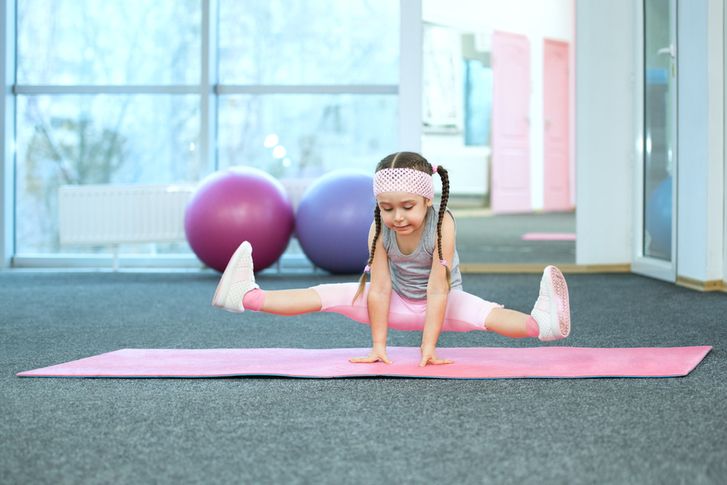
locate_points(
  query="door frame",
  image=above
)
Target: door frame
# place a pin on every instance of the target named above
(642, 264)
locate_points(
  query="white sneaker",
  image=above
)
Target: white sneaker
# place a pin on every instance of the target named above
(237, 280)
(552, 310)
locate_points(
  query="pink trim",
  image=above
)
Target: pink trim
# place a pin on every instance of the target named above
(549, 236)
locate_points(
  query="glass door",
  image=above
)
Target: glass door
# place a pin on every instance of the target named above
(656, 188)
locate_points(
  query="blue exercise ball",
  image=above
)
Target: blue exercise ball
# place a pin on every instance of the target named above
(658, 218)
(333, 220)
(236, 205)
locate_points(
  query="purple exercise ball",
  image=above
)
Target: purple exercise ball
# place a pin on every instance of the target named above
(235, 205)
(333, 220)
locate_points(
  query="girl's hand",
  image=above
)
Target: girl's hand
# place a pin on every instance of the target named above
(428, 357)
(376, 355)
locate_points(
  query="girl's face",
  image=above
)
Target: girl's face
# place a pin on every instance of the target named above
(403, 212)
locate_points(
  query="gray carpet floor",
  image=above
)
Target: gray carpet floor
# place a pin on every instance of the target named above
(360, 430)
(497, 239)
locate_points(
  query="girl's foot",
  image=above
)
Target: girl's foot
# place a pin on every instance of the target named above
(237, 280)
(552, 310)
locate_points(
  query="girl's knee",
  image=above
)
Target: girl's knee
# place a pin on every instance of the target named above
(338, 295)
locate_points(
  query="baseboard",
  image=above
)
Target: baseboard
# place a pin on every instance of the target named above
(538, 268)
(699, 285)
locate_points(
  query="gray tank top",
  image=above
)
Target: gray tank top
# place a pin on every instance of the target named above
(410, 272)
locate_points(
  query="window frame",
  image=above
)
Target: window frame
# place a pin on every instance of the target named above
(209, 90)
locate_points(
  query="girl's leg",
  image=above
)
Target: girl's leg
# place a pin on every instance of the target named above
(287, 302)
(549, 319)
(404, 314)
(338, 298)
(238, 291)
(511, 323)
(503, 321)
(467, 312)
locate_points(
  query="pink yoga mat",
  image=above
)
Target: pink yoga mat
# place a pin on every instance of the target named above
(470, 363)
(549, 236)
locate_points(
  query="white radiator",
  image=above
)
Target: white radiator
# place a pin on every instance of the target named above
(116, 214)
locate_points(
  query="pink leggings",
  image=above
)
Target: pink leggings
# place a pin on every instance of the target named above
(465, 312)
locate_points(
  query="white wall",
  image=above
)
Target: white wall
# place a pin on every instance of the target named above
(700, 203)
(538, 20)
(605, 130)
(466, 165)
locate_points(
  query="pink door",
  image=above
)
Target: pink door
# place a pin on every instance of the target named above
(556, 126)
(510, 123)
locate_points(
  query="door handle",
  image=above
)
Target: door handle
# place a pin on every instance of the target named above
(671, 50)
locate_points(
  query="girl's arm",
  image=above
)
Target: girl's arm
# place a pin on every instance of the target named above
(437, 293)
(378, 300)
(379, 295)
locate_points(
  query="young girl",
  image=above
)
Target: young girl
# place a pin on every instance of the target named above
(410, 288)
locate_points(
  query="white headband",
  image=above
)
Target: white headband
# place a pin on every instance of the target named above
(403, 180)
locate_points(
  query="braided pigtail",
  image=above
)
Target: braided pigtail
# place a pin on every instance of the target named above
(362, 280)
(442, 210)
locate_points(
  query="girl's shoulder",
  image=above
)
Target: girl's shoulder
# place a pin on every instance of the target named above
(448, 218)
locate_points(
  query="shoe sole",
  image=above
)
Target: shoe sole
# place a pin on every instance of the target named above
(223, 287)
(560, 290)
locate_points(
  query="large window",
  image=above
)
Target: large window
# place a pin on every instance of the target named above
(134, 91)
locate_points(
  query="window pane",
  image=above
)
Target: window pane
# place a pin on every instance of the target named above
(95, 140)
(66, 42)
(659, 112)
(306, 135)
(309, 42)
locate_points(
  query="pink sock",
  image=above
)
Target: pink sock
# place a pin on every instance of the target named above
(531, 327)
(253, 300)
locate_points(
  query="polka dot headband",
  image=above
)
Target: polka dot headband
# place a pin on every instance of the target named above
(404, 180)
